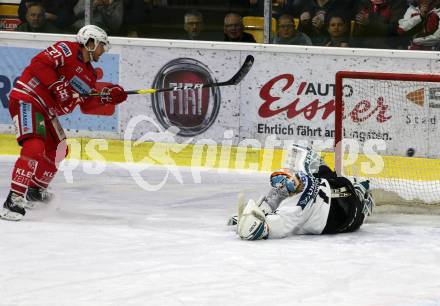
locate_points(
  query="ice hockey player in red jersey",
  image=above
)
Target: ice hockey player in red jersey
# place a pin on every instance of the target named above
(51, 86)
(309, 199)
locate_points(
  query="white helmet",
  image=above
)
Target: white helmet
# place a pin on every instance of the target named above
(252, 223)
(94, 33)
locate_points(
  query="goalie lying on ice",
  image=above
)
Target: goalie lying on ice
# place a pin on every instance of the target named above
(305, 202)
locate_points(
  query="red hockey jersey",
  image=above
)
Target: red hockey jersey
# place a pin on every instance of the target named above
(61, 61)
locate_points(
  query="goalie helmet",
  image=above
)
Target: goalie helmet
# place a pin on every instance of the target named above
(283, 180)
(94, 33)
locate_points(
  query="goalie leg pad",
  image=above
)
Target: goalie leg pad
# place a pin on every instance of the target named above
(364, 195)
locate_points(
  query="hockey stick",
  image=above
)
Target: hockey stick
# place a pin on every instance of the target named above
(240, 207)
(244, 69)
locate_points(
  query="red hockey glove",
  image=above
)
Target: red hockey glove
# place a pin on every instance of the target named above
(115, 94)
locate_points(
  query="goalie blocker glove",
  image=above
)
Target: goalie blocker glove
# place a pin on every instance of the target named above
(252, 224)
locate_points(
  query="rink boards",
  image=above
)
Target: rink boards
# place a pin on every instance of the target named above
(227, 157)
(287, 97)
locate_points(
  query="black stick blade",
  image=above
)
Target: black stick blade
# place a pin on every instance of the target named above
(245, 68)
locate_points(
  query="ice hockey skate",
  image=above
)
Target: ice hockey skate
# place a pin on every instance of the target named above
(13, 208)
(35, 194)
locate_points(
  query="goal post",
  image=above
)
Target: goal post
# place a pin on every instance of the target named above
(387, 130)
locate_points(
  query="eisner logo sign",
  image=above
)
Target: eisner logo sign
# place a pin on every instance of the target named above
(193, 111)
(315, 109)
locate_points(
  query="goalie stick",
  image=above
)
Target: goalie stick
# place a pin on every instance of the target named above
(244, 69)
(240, 207)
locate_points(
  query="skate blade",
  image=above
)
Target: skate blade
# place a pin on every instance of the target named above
(8, 215)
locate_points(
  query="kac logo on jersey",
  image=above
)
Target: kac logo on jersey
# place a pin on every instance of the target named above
(193, 111)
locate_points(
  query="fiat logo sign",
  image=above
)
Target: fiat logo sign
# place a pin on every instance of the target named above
(193, 111)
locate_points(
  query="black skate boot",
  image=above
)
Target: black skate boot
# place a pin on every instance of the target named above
(13, 208)
(35, 194)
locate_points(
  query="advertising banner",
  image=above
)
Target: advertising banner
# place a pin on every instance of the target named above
(15, 59)
(193, 115)
(288, 95)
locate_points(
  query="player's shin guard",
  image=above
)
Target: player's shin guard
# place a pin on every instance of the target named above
(23, 172)
(44, 174)
(363, 192)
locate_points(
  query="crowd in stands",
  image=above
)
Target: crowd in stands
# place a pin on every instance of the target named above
(392, 24)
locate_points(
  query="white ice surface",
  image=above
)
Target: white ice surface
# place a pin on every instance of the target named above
(106, 241)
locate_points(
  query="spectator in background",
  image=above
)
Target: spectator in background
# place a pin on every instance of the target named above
(287, 34)
(376, 23)
(429, 36)
(411, 23)
(107, 14)
(58, 12)
(193, 25)
(314, 15)
(337, 29)
(36, 20)
(134, 16)
(233, 29)
(280, 7)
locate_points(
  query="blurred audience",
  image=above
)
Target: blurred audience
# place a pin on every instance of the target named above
(429, 36)
(287, 34)
(337, 30)
(193, 25)
(419, 27)
(411, 23)
(134, 16)
(313, 17)
(36, 20)
(107, 14)
(233, 29)
(376, 23)
(58, 12)
(389, 24)
(279, 7)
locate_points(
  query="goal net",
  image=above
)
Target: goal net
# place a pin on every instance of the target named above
(387, 130)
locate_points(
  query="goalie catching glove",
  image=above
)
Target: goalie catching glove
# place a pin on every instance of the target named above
(113, 94)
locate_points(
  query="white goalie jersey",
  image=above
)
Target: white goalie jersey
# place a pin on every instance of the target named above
(302, 213)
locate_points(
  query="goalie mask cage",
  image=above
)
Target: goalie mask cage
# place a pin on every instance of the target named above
(396, 116)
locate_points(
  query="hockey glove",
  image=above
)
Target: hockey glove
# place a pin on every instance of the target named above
(283, 181)
(114, 94)
(252, 223)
